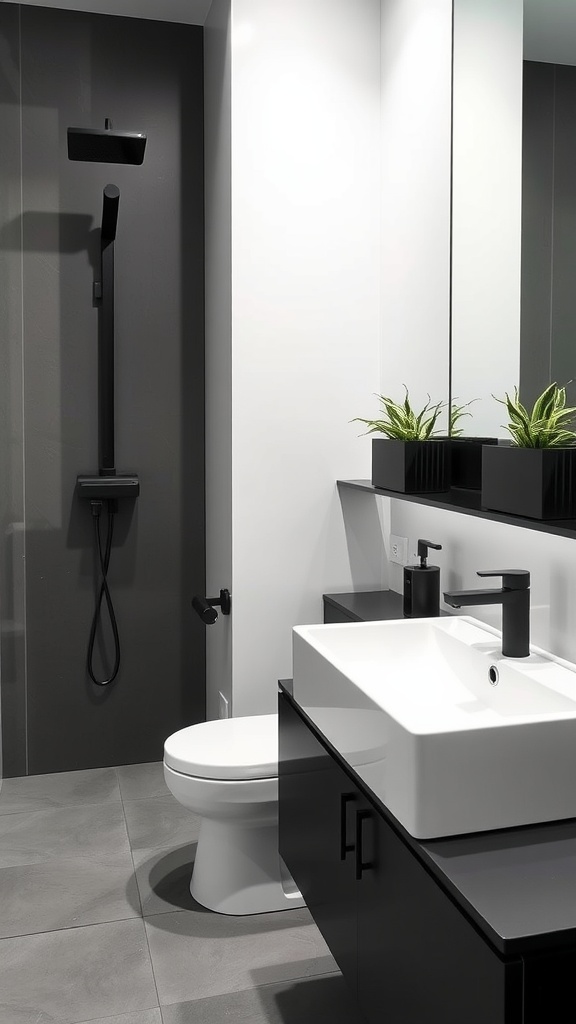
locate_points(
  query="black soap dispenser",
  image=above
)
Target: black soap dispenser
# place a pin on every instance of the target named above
(422, 585)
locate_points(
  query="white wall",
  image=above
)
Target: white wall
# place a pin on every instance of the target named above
(469, 544)
(416, 125)
(339, 109)
(305, 316)
(218, 298)
(487, 194)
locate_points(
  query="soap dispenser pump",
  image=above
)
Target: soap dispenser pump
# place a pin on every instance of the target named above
(422, 585)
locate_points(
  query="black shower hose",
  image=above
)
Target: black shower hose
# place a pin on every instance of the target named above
(103, 593)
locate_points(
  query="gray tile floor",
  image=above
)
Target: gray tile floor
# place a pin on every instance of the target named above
(97, 922)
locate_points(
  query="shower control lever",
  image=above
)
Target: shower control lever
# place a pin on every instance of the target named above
(109, 487)
(204, 606)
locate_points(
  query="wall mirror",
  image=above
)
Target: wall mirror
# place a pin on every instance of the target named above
(514, 203)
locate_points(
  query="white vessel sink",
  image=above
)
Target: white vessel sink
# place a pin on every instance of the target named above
(459, 739)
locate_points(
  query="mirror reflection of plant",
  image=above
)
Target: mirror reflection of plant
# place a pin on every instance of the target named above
(456, 413)
(402, 422)
(546, 426)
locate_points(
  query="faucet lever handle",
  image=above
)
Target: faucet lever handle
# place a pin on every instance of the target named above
(513, 579)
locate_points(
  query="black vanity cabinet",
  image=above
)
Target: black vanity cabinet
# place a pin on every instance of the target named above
(408, 952)
(317, 821)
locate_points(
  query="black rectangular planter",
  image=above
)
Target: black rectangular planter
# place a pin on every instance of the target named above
(410, 466)
(539, 483)
(466, 461)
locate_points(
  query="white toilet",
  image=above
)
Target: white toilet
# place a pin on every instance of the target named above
(227, 772)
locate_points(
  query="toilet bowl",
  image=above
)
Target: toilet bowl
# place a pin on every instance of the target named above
(227, 773)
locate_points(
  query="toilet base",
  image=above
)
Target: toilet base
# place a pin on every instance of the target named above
(238, 870)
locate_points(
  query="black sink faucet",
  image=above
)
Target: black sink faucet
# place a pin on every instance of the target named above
(514, 596)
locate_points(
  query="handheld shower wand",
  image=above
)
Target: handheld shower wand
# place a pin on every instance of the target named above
(107, 485)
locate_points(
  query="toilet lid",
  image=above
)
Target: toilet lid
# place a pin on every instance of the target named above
(230, 748)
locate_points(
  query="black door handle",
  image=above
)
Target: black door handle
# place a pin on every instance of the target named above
(345, 846)
(204, 606)
(361, 864)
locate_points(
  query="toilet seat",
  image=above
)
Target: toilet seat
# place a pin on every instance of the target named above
(229, 748)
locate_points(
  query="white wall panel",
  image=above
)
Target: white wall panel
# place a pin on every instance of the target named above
(487, 194)
(305, 313)
(416, 121)
(218, 227)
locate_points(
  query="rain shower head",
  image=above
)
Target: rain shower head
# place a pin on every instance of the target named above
(102, 145)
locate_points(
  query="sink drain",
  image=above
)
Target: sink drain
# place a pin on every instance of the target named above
(493, 675)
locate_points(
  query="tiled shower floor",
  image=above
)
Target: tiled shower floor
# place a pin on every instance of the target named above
(97, 922)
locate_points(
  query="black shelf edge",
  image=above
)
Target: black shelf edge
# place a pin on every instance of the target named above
(468, 504)
(367, 605)
(370, 605)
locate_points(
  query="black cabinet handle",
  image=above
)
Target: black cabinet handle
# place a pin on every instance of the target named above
(361, 865)
(345, 846)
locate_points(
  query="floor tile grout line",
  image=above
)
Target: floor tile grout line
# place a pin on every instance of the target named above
(65, 774)
(136, 799)
(114, 1016)
(139, 896)
(60, 807)
(149, 799)
(70, 928)
(126, 829)
(254, 988)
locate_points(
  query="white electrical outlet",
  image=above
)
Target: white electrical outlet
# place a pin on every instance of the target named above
(223, 706)
(398, 549)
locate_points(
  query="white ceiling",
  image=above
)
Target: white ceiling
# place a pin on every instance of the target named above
(188, 12)
(550, 31)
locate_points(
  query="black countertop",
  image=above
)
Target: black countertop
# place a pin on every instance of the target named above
(368, 606)
(517, 885)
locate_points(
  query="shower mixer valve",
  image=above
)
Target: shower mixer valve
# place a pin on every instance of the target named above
(107, 488)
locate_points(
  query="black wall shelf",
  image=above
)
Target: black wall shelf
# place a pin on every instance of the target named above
(468, 504)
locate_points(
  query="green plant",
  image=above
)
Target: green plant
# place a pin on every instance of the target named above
(546, 426)
(457, 413)
(402, 422)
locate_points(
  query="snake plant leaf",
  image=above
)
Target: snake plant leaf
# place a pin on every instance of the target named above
(547, 425)
(401, 421)
(456, 413)
(546, 403)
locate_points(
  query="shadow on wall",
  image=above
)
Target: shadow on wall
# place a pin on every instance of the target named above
(366, 522)
(52, 232)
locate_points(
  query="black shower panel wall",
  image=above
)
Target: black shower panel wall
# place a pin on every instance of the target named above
(77, 69)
